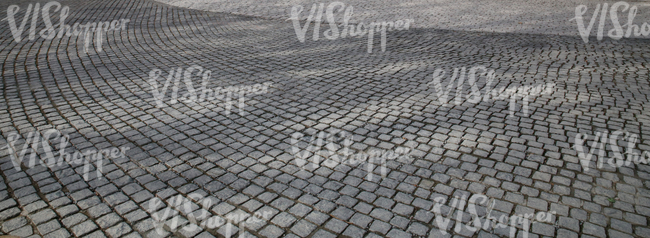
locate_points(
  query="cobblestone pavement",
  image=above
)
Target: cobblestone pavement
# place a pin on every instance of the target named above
(504, 16)
(244, 163)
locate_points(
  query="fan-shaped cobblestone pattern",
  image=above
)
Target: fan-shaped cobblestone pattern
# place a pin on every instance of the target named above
(244, 162)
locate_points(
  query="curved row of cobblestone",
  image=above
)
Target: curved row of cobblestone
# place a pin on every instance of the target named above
(244, 162)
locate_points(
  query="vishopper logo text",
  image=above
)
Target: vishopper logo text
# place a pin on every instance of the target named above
(48, 159)
(204, 94)
(349, 28)
(334, 154)
(487, 221)
(617, 32)
(199, 217)
(50, 31)
(523, 92)
(603, 140)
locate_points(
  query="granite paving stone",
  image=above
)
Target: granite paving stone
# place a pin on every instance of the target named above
(108, 129)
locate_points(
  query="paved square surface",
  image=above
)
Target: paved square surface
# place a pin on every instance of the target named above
(189, 169)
